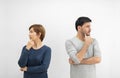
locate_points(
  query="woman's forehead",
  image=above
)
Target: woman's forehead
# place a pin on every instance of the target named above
(31, 29)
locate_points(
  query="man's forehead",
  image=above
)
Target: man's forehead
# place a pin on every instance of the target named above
(86, 24)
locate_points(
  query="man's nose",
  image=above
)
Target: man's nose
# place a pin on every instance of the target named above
(90, 29)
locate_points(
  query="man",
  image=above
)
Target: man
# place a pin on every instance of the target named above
(83, 51)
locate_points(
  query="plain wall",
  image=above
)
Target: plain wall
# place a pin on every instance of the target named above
(58, 17)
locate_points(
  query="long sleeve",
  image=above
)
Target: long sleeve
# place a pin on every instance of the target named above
(44, 65)
(96, 49)
(22, 62)
(71, 51)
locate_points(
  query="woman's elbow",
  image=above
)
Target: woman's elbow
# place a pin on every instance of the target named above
(21, 64)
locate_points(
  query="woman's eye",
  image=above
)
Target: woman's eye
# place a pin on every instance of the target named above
(30, 31)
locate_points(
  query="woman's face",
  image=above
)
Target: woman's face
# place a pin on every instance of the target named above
(33, 35)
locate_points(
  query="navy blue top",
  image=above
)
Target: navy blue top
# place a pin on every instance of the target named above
(37, 61)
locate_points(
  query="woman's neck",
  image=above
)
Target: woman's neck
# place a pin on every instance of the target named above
(37, 43)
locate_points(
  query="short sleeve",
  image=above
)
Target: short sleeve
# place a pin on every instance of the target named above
(71, 51)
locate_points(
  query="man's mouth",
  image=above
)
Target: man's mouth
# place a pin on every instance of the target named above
(88, 34)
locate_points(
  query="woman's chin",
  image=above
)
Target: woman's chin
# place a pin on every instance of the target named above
(31, 39)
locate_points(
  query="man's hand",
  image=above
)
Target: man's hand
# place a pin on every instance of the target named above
(23, 69)
(70, 61)
(88, 40)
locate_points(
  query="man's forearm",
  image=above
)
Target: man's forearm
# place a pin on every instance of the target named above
(92, 60)
(82, 52)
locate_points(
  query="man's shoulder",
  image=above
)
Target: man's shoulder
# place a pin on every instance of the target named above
(71, 39)
(95, 41)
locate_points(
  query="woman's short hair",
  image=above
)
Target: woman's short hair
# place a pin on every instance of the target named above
(38, 28)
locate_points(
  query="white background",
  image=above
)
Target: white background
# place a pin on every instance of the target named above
(59, 17)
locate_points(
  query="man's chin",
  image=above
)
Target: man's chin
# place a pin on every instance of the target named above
(88, 34)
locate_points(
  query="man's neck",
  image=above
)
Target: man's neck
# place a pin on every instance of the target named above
(80, 36)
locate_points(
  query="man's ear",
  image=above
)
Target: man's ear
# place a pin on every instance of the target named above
(78, 27)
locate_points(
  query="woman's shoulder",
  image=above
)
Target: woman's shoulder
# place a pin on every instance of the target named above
(47, 47)
(24, 47)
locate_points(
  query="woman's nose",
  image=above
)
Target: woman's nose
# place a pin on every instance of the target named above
(29, 34)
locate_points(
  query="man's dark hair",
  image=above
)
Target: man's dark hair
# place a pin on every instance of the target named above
(81, 20)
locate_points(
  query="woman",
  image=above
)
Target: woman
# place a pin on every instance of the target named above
(35, 57)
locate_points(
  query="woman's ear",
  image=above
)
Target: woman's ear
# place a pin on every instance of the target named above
(39, 34)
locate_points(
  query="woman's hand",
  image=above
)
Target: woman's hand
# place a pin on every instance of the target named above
(29, 44)
(23, 69)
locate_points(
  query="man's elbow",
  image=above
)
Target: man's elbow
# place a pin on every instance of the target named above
(98, 60)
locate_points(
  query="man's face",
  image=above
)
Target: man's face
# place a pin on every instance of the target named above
(86, 28)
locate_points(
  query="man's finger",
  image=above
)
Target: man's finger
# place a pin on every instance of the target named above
(85, 35)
